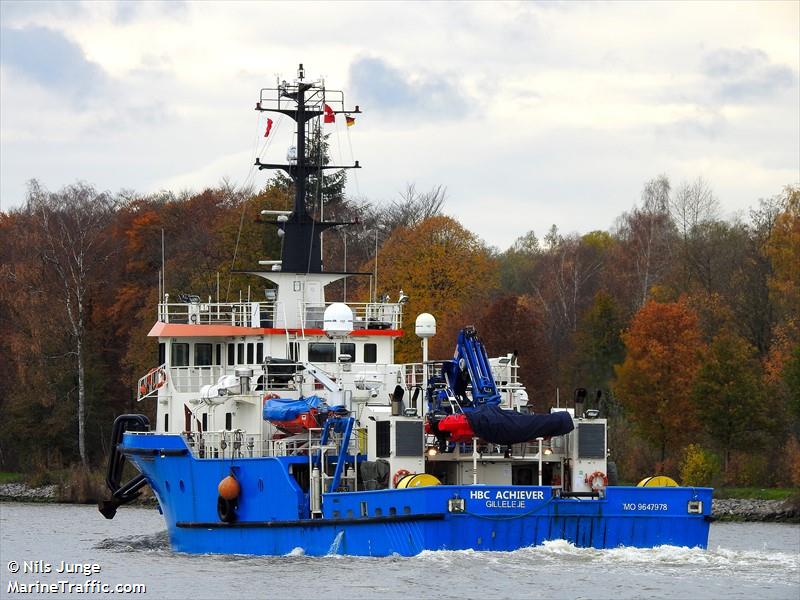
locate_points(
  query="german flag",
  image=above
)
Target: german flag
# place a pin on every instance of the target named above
(349, 120)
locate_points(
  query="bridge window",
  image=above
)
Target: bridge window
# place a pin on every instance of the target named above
(180, 355)
(259, 353)
(321, 352)
(162, 353)
(240, 354)
(348, 348)
(205, 421)
(383, 445)
(219, 355)
(250, 353)
(370, 353)
(231, 354)
(228, 421)
(203, 354)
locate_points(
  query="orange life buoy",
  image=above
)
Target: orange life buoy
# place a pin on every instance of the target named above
(399, 475)
(159, 378)
(597, 481)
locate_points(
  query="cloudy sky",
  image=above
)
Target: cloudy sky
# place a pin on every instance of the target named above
(529, 113)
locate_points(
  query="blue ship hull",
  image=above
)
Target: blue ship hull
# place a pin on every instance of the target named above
(273, 517)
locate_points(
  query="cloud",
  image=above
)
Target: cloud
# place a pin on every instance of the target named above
(385, 88)
(744, 74)
(51, 60)
(555, 113)
(11, 10)
(126, 12)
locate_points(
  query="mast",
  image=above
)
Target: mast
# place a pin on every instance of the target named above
(302, 101)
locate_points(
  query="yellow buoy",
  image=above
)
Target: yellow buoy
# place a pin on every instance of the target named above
(657, 481)
(417, 480)
(228, 488)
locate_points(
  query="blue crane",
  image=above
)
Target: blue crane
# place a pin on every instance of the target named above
(469, 368)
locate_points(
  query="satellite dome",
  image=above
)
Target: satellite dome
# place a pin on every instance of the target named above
(426, 325)
(338, 320)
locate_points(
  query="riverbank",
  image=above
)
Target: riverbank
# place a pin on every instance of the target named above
(723, 509)
(751, 509)
(57, 494)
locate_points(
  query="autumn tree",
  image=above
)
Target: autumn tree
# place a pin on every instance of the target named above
(372, 223)
(71, 229)
(440, 265)
(728, 393)
(598, 343)
(512, 324)
(691, 206)
(646, 235)
(518, 264)
(38, 417)
(655, 381)
(565, 278)
(783, 250)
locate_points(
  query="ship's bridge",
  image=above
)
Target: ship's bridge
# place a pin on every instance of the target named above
(270, 314)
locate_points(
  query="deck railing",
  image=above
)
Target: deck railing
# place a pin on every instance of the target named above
(306, 315)
(149, 384)
(238, 314)
(191, 379)
(366, 315)
(506, 375)
(240, 444)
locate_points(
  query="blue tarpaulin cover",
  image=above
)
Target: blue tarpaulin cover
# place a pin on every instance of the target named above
(286, 409)
(498, 426)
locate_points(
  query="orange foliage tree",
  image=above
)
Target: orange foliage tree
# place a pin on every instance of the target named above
(440, 265)
(783, 250)
(654, 383)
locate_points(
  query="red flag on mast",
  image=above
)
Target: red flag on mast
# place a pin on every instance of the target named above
(269, 127)
(330, 117)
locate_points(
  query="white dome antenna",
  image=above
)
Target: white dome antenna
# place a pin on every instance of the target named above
(425, 326)
(338, 320)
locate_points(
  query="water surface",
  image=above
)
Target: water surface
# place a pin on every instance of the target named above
(744, 560)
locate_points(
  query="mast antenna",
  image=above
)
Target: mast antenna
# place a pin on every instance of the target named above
(306, 104)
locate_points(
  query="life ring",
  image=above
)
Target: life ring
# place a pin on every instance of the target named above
(597, 481)
(399, 475)
(226, 509)
(159, 378)
(155, 378)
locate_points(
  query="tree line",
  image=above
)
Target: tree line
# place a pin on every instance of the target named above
(686, 322)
